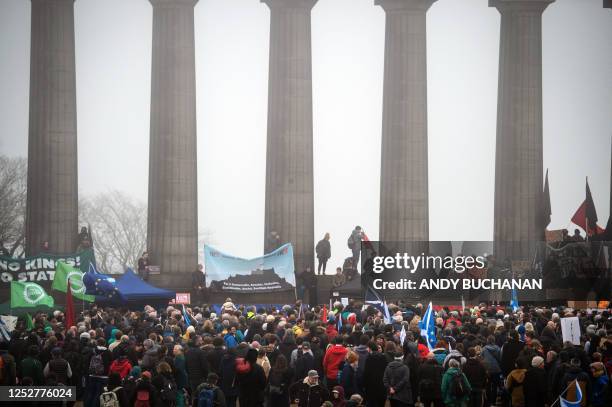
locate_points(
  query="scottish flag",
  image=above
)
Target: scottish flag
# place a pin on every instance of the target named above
(186, 316)
(514, 301)
(428, 327)
(565, 403)
(374, 299)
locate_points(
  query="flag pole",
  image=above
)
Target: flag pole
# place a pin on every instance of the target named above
(563, 392)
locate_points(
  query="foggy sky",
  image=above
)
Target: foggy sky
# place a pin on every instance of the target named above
(113, 65)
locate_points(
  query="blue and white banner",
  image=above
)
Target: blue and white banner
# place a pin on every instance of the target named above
(273, 272)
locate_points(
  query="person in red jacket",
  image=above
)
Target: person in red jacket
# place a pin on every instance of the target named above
(334, 356)
(121, 365)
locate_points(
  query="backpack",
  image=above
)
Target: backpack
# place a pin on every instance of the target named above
(242, 366)
(96, 365)
(206, 398)
(457, 386)
(350, 242)
(109, 398)
(169, 391)
(142, 399)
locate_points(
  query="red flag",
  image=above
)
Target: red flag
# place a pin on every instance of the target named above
(324, 314)
(580, 217)
(69, 314)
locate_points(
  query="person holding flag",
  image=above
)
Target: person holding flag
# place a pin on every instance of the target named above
(428, 328)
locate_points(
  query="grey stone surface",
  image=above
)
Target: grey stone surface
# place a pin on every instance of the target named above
(404, 211)
(518, 158)
(289, 207)
(173, 211)
(52, 200)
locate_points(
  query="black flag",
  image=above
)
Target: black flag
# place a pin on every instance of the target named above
(591, 213)
(546, 211)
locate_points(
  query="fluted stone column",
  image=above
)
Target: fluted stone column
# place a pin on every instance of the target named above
(404, 200)
(52, 200)
(289, 179)
(518, 158)
(173, 210)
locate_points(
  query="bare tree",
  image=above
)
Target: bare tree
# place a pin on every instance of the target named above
(118, 225)
(13, 191)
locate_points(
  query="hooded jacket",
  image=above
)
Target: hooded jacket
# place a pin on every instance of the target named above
(397, 376)
(331, 362)
(514, 384)
(121, 366)
(310, 395)
(340, 400)
(450, 400)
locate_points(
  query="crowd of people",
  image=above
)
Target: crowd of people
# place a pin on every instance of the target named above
(346, 356)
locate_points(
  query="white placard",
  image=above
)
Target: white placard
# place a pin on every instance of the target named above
(344, 301)
(570, 329)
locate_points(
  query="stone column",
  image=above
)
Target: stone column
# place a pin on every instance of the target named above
(173, 205)
(52, 197)
(518, 157)
(289, 179)
(404, 211)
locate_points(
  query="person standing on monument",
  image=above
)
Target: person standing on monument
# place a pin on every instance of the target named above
(198, 282)
(273, 242)
(143, 266)
(323, 250)
(354, 243)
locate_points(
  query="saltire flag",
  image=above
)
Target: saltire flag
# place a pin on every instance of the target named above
(546, 209)
(69, 314)
(387, 315)
(428, 327)
(29, 295)
(566, 403)
(65, 273)
(403, 334)
(339, 321)
(102, 285)
(586, 211)
(514, 301)
(186, 316)
(4, 331)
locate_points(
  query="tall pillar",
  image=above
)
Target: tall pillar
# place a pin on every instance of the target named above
(404, 200)
(289, 179)
(52, 192)
(518, 158)
(173, 211)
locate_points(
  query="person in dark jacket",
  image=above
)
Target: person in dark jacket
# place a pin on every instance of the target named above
(535, 384)
(251, 385)
(279, 381)
(348, 375)
(10, 367)
(304, 362)
(397, 381)
(196, 365)
(510, 352)
(375, 390)
(476, 374)
(491, 357)
(58, 367)
(31, 367)
(165, 385)
(323, 250)
(114, 385)
(310, 392)
(218, 398)
(227, 370)
(430, 383)
(216, 354)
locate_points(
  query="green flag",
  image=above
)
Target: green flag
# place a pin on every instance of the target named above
(63, 273)
(29, 295)
(29, 322)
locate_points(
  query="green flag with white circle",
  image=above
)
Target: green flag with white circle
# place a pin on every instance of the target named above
(65, 273)
(29, 295)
